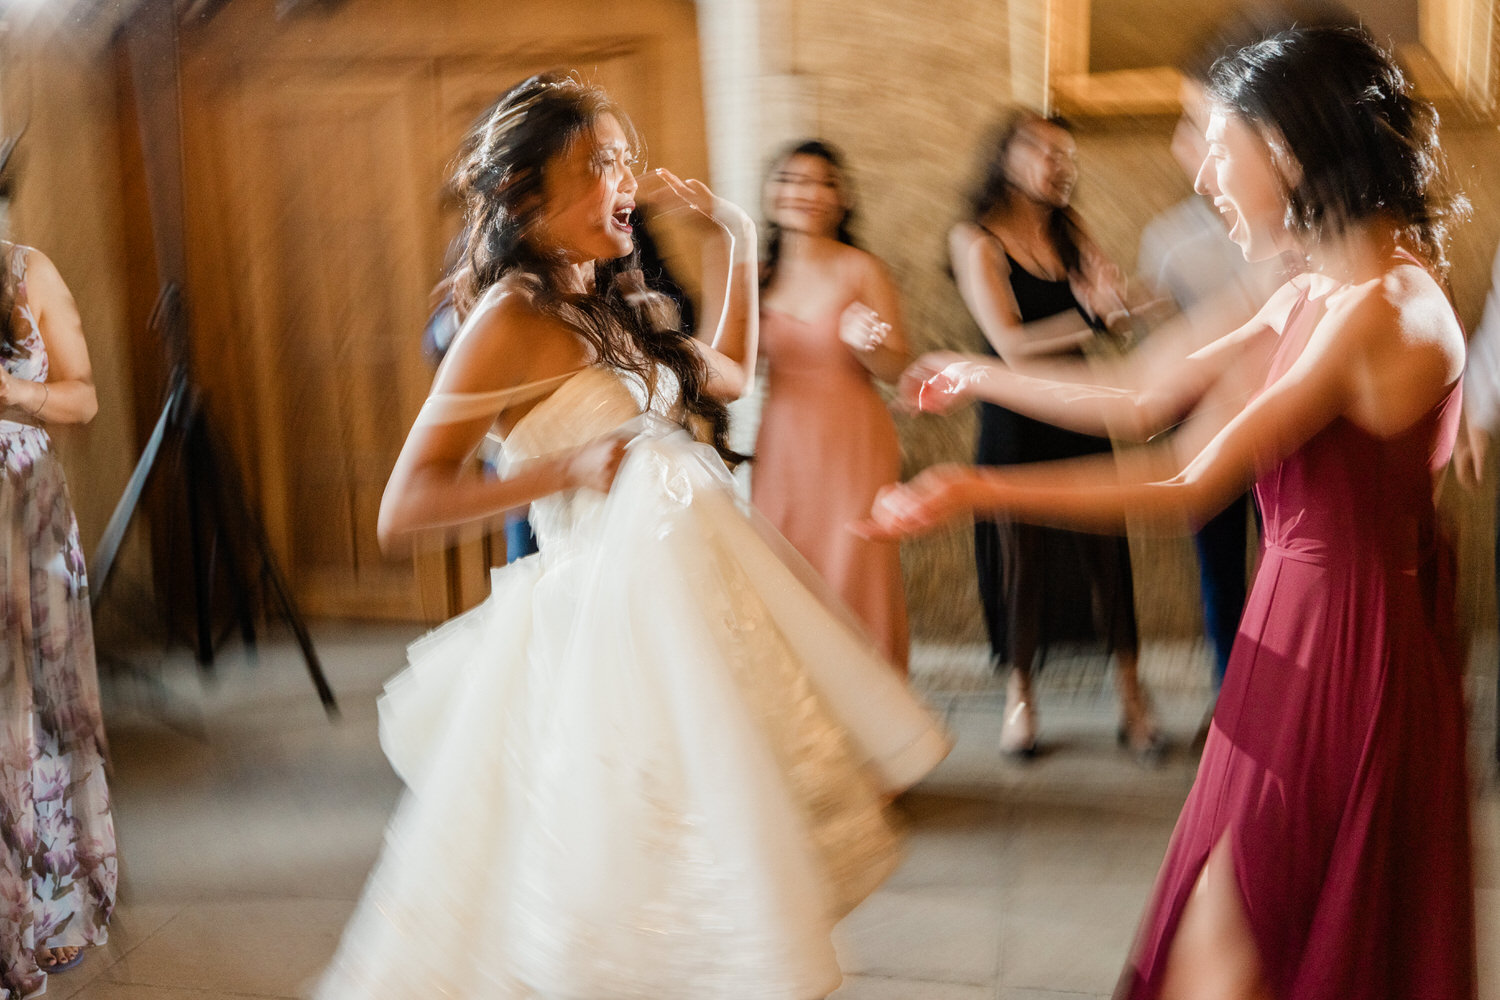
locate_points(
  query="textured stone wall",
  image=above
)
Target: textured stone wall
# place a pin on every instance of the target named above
(907, 89)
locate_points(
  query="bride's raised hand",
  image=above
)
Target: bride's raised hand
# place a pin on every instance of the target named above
(937, 382)
(668, 197)
(936, 496)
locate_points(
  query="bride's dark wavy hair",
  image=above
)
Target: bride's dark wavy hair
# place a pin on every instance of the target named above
(500, 178)
(1344, 113)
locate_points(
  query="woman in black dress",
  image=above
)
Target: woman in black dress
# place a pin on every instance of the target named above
(1040, 289)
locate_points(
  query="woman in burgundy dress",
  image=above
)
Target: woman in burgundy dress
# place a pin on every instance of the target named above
(1324, 848)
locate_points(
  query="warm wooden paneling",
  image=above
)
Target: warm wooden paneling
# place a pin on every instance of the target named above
(315, 152)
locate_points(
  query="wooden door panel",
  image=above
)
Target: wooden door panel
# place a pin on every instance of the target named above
(346, 290)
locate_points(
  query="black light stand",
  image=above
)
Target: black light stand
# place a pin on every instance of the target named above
(219, 517)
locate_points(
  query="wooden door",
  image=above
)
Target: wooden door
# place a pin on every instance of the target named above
(341, 293)
(317, 229)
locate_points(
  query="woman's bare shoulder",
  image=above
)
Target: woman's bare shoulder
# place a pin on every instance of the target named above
(509, 340)
(1404, 307)
(968, 241)
(860, 264)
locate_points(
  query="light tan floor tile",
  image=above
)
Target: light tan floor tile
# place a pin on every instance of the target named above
(271, 947)
(246, 833)
(1487, 838)
(878, 988)
(128, 928)
(1488, 919)
(942, 936)
(124, 991)
(1068, 936)
(952, 841)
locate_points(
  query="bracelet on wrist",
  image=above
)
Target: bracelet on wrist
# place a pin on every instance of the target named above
(46, 395)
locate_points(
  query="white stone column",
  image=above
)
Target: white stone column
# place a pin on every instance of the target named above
(729, 47)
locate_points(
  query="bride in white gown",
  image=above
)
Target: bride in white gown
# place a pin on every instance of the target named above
(654, 763)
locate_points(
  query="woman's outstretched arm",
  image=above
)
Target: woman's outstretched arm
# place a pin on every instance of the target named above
(1380, 365)
(1163, 391)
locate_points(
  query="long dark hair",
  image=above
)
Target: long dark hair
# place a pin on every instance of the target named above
(1343, 111)
(10, 343)
(499, 176)
(996, 188)
(830, 155)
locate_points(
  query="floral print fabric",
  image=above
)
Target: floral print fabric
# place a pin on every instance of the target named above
(57, 846)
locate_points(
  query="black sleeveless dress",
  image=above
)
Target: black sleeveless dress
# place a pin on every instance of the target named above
(1039, 585)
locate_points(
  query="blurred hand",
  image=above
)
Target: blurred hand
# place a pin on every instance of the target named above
(861, 328)
(936, 382)
(936, 496)
(1469, 454)
(1103, 288)
(667, 196)
(595, 465)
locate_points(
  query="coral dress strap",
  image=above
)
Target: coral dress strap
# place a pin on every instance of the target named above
(456, 407)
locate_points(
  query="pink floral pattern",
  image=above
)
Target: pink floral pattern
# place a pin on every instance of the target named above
(58, 871)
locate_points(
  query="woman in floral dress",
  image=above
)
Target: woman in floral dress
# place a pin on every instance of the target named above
(57, 841)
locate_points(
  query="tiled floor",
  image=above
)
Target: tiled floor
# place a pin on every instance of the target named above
(247, 822)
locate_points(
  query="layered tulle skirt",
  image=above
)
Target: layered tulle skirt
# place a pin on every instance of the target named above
(653, 764)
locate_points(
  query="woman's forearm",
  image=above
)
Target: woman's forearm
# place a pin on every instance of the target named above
(730, 324)
(1064, 333)
(1100, 410)
(883, 362)
(65, 401)
(1037, 346)
(433, 501)
(1087, 497)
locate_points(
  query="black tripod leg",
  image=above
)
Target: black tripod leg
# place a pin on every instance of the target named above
(299, 629)
(231, 502)
(239, 579)
(197, 477)
(125, 510)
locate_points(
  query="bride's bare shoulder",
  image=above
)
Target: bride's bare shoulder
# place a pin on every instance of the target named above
(508, 340)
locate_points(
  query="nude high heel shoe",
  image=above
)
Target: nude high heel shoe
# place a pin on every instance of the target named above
(1018, 733)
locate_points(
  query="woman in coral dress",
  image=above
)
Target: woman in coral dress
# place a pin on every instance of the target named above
(830, 326)
(1324, 848)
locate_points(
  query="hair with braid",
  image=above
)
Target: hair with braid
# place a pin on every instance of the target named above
(500, 178)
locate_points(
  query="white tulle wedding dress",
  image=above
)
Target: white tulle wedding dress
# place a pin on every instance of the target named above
(653, 764)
